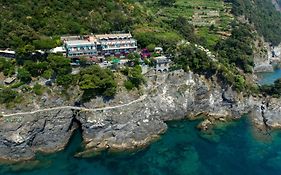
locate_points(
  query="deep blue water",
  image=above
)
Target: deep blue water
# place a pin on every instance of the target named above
(231, 149)
(269, 77)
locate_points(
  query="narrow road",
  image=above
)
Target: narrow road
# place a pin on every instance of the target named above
(76, 108)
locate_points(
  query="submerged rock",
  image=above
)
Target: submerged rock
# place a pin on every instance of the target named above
(177, 95)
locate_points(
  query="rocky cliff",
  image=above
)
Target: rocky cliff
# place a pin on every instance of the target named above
(21, 136)
(172, 96)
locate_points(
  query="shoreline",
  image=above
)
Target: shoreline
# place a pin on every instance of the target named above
(92, 152)
(135, 124)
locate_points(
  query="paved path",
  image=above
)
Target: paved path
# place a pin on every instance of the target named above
(76, 108)
(82, 108)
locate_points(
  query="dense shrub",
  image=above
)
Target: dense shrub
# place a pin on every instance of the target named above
(238, 49)
(7, 66)
(97, 81)
(263, 15)
(38, 89)
(7, 95)
(24, 75)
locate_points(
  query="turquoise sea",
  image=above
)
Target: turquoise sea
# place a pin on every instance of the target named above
(231, 149)
(269, 77)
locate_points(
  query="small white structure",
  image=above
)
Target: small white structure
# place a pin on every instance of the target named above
(58, 50)
(7, 53)
(9, 80)
(162, 64)
(158, 50)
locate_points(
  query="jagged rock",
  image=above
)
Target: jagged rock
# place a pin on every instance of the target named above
(22, 135)
(177, 96)
(204, 126)
(264, 68)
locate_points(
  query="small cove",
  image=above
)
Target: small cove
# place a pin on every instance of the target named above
(269, 77)
(231, 149)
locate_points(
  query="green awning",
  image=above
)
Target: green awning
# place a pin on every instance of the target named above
(115, 61)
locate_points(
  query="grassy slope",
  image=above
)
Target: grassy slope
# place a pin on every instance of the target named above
(187, 9)
(23, 21)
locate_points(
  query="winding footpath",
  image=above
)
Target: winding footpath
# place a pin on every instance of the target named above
(143, 97)
(76, 108)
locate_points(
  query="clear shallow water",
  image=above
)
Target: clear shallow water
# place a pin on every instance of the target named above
(269, 77)
(181, 151)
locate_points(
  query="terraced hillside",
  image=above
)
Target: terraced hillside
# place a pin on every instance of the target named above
(25, 21)
(211, 18)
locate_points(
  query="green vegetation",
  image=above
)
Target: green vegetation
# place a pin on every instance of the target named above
(8, 95)
(181, 24)
(67, 80)
(30, 66)
(134, 57)
(38, 24)
(24, 75)
(36, 68)
(273, 90)
(96, 81)
(191, 58)
(234, 52)
(7, 66)
(33, 22)
(29, 25)
(185, 16)
(263, 15)
(47, 74)
(167, 2)
(38, 89)
(59, 64)
(134, 77)
(237, 48)
(45, 43)
(54, 64)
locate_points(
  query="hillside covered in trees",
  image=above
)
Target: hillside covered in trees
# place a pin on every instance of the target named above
(27, 25)
(33, 22)
(263, 15)
(25, 21)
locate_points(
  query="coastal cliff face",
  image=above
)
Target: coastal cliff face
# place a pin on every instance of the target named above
(172, 96)
(265, 56)
(21, 136)
(179, 95)
(268, 113)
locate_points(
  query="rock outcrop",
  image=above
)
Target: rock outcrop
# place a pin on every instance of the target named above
(262, 56)
(180, 95)
(22, 136)
(172, 96)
